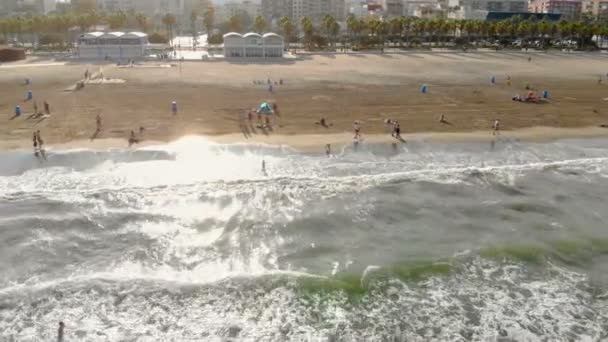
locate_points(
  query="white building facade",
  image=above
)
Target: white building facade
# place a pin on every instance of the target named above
(113, 45)
(253, 45)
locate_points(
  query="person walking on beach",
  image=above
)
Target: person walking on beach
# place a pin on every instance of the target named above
(496, 127)
(47, 108)
(328, 150)
(442, 119)
(35, 108)
(174, 107)
(40, 143)
(396, 130)
(357, 129)
(39, 138)
(98, 123)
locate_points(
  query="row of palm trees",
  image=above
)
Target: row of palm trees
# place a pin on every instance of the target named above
(405, 31)
(24, 28)
(412, 30)
(437, 31)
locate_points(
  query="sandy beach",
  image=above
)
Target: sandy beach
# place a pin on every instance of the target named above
(213, 97)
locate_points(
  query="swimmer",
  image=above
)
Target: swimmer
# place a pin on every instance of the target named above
(60, 332)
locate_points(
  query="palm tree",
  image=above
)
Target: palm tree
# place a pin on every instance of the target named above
(308, 29)
(287, 27)
(396, 27)
(236, 23)
(382, 31)
(169, 22)
(209, 20)
(193, 19)
(354, 27)
(4, 29)
(565, 30)
(117, 20)
(259, 24)
(544, 28)
(142, 22)
(328, 23)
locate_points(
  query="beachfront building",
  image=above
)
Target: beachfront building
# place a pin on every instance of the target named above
(114, 45)
(393, 8)
(569, 9)
(478, 10)
(253, 45)
(597, 8)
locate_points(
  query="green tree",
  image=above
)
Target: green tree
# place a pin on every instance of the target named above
(169, 22)
(328, 24)
(193, 28)
(259, 24)
(235, 23)
(143, 23)
(209, 20)
(308, 29)
(117, 20)
(287, 28)
(544, 28)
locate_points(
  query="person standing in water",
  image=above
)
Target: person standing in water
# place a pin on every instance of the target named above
(60, 332)
(35, 143)
(264, 168)
(40, 144)
(328, 150)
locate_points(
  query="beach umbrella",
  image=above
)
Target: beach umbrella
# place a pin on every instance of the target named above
(265, 108)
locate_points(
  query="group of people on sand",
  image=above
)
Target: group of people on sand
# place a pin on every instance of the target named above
(263, 115)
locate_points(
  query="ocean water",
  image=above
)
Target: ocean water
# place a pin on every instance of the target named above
(191, 241)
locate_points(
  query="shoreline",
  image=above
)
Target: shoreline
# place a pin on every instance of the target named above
(317, 142)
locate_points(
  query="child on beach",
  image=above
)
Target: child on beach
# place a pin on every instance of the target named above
(496, 127)
(132, 139)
